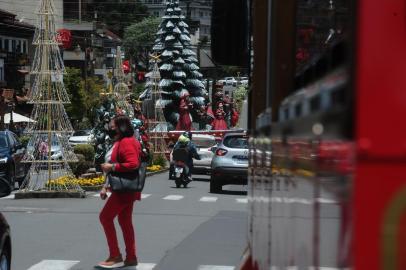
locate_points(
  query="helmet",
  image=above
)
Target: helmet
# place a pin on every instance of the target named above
(183, 139)
(187, 134)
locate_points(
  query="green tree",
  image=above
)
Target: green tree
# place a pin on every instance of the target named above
(140, 36)
(239, 96)
(94, 87)
(118, 14)
(73, 84)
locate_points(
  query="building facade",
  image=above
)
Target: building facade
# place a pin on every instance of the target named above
(15, 51)
(26, 10)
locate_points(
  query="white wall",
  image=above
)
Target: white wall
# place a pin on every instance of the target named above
(26, 10)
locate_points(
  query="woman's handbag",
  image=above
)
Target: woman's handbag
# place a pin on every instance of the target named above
(126, 181)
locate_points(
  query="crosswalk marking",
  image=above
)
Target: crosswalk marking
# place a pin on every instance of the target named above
(145, 266)
(173, 197)
(53, 265)
(215, 267)
(169, 197)
(144, 196)
(242, 200)
(208, 199)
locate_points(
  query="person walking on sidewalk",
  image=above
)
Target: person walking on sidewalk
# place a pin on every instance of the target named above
(128, 150)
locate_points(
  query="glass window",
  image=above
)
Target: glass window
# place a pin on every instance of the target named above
(19, 48)
(204, 142)
(3, 141)
(25, 46)
(6, 44)
(236, 142)
(81, 133)
(13, 45)
(319, 25)
(1, 43)
(11, 140)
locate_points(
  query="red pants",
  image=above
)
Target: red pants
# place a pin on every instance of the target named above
(121, 205)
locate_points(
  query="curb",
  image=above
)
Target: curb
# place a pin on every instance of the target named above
(49, 194)
(157, 172)
(92, 188)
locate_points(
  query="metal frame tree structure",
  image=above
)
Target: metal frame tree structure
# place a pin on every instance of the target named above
(48, 150)
(121, 91)
(157, 127)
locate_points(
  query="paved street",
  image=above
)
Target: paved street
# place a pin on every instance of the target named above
(176, 229)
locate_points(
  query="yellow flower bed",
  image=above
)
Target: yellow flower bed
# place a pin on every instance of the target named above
(154, 168)
(69, 180)
(89, 182)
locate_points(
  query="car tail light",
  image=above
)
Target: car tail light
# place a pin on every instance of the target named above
(221, 152)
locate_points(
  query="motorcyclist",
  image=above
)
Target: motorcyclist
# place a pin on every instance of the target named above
(185, 141)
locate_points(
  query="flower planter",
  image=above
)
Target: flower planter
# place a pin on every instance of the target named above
(92, 188)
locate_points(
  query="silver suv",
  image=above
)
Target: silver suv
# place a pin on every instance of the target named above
(230, 162)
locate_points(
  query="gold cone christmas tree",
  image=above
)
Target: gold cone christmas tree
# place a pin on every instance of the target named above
(157, 127)
(121, 91)
(48, 150)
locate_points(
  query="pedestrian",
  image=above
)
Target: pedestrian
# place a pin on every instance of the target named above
(127, 150)
(43, 149)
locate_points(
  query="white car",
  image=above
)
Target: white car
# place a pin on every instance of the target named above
(243, 81)
(204, 144)
(81, 137)
(228, 81)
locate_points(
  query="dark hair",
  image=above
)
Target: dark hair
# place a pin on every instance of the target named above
(124, 126)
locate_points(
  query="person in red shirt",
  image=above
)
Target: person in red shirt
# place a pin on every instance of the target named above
(128, 150)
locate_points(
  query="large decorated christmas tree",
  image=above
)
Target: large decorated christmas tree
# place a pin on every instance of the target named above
(182, 91)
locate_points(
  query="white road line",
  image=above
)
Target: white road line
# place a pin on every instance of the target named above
(98, 194)
(53, 265)
(144, 266)
(208, 199)
(242, 200)
(144, 196)
(173, 197)
(215, 267)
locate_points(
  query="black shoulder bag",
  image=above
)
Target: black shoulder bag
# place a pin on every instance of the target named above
(125, 181)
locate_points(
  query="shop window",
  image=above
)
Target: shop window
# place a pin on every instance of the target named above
(19, 48)
(25, 47)
(6, 45)
(13, 45)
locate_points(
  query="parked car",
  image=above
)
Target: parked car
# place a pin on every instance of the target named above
(228, 81)
(11, 154)
(57, 143)
(81, 137)
(203, 143)
(243, 81)
(5, 244)
(230, 162)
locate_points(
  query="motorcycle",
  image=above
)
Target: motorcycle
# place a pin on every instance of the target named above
(180, 168)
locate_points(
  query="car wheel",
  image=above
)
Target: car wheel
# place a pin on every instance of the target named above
(12, 176)
(5, 260)
(5, 188)
(215, 186)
